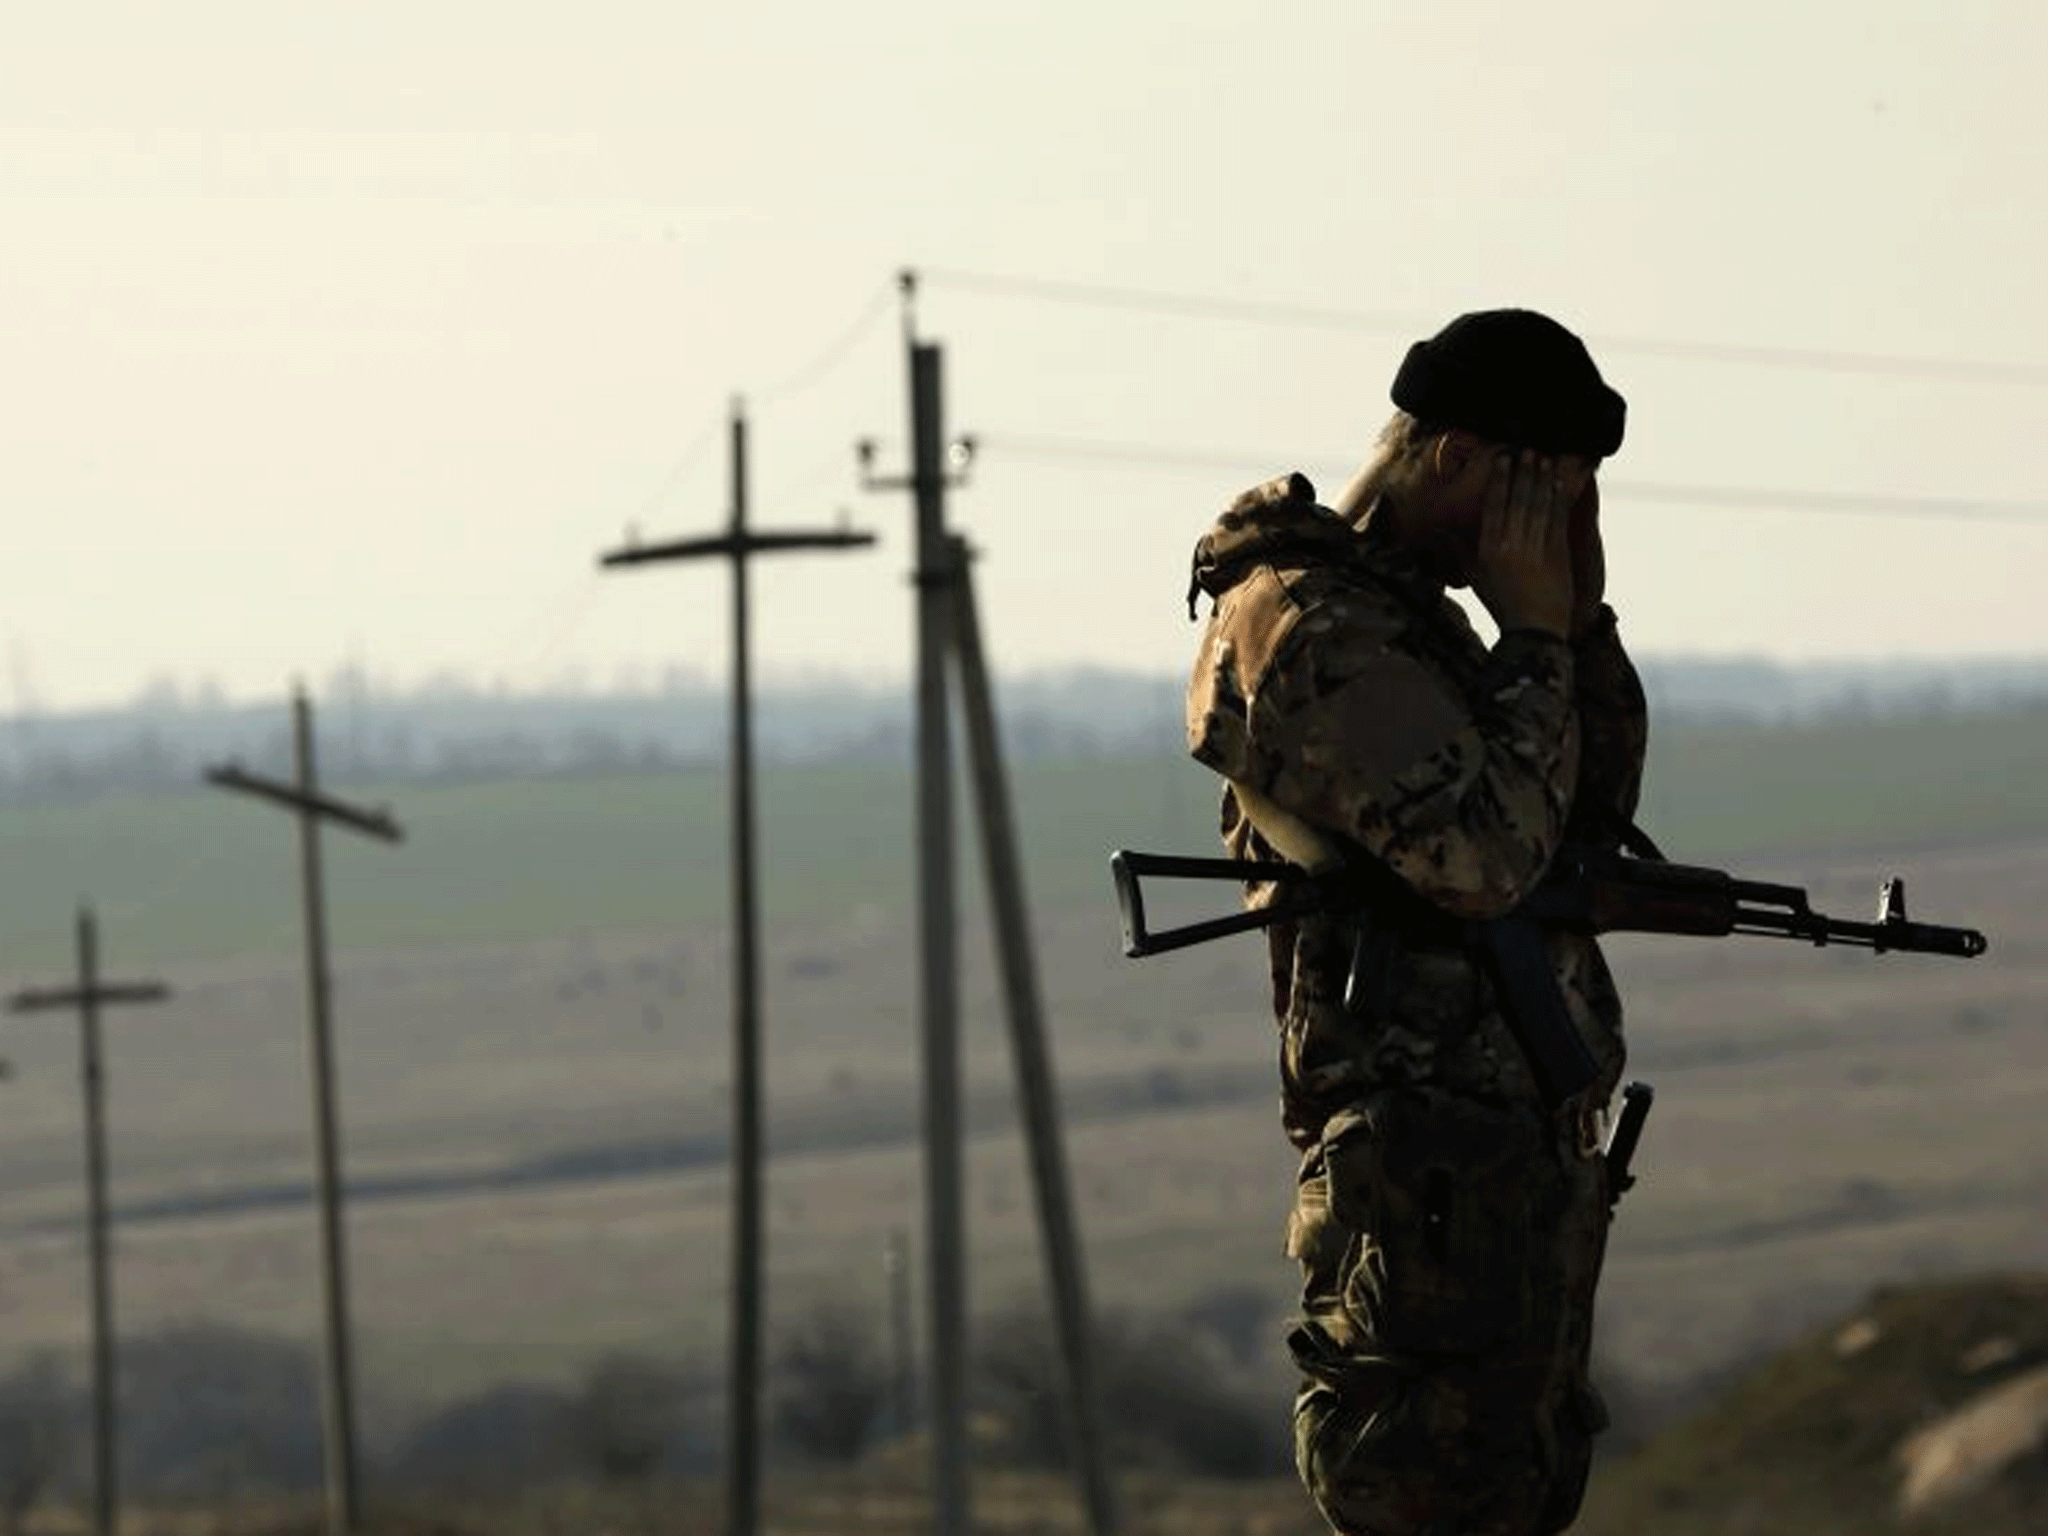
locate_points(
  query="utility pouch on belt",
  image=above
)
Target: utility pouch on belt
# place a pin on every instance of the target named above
(1436, 1187)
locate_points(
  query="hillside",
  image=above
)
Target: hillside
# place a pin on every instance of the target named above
(1828, 1435)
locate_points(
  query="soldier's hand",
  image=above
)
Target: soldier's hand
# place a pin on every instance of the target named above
(1523, 571)
(1589, 559)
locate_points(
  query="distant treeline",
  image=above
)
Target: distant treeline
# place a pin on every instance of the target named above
(452, 732)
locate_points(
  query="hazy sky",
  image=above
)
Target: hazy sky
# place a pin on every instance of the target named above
(362, 329)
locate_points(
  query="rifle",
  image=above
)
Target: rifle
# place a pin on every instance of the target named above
(1586, 890)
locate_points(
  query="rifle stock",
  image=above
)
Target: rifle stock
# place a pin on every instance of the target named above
(1127, 867)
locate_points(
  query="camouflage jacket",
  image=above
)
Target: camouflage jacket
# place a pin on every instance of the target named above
(1351, 706)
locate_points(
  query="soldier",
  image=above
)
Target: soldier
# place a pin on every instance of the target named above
(1449, 1226)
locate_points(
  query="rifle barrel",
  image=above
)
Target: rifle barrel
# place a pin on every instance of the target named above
(1898, 935)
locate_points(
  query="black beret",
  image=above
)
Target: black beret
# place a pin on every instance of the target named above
(1514, 376)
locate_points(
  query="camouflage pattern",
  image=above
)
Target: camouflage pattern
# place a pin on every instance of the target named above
(1449, 1229)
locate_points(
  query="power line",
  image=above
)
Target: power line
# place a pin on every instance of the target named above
(1960, 507)
(1187, 305)
(833, 353)
(1310, 317)
(815, 370)
(542, 634)
(684, 462)
(830, 465)
(1101, 451)
(540, 637)
(1121, 455)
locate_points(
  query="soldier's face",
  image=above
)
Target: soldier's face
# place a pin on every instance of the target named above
(1451, 539)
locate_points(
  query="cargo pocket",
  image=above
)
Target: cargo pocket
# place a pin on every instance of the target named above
(1438, 1191)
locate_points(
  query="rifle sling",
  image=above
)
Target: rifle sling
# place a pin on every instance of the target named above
(1511, 948)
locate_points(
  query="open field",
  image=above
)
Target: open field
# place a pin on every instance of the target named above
(206, 876)
(533, 1018)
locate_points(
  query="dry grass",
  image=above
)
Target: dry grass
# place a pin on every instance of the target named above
(886, 1500)
(1812, 1440)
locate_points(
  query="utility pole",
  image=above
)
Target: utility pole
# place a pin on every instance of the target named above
(304, 798)
(88, 996)
(738, 544)
(946, 626)
(902, 1367)
(1029, 1051)
(939, 986)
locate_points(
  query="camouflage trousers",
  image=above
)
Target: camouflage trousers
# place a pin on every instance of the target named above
(1449, 1250)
